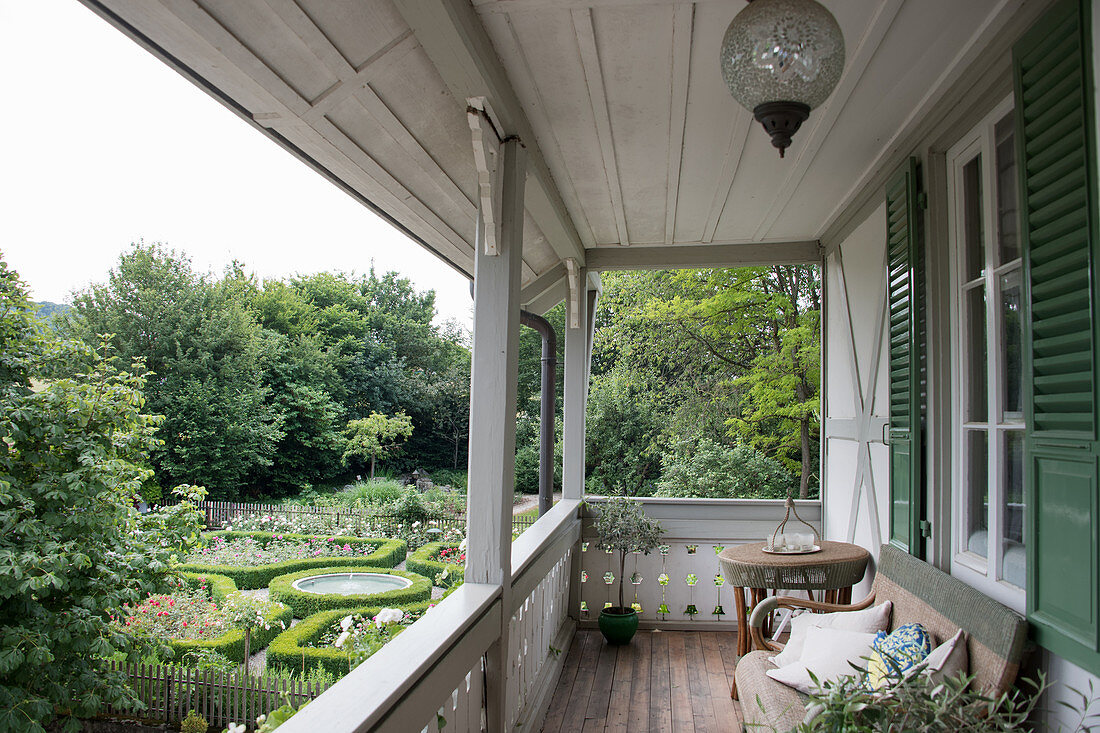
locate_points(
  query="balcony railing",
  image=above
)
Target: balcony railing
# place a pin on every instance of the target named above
(433, 678)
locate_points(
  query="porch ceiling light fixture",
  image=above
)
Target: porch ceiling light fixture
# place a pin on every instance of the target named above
(780, 59)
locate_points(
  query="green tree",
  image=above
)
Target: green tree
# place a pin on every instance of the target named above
(72, 548)
(624, 435)
(762, 325)
(376, 436)
(206, 354)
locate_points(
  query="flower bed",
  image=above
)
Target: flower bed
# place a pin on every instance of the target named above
(376, 552)
(427, 562)
(310, 643)
(305, 603)
(194, 612)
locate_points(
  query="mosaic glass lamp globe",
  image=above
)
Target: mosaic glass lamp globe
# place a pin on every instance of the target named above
(780, 59)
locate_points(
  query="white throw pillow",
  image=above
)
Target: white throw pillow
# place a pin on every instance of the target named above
(829, 653)
(949, 659)
(868, 621)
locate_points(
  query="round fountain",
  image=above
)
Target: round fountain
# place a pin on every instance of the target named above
(350, 584)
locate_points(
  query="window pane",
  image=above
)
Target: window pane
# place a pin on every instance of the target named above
(1007, 239)
(1013, 566)
(973, 225)
(977, 490)
(975, 347)
(1012, 394)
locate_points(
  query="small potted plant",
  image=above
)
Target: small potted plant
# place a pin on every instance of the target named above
(623, 527)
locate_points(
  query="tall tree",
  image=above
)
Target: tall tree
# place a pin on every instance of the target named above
(205, 352)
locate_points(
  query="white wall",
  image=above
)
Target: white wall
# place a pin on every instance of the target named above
(857, 467)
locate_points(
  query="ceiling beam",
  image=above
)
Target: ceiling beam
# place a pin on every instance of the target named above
(452, 35)
(672, 257)
(546, 301)
(542, 283)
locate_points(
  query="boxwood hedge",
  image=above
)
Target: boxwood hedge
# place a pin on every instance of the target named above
(305, 604)
(289, 650)
(425, 562)
(231, 643)
(388, 553)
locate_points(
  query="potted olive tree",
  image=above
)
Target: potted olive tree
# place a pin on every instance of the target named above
(623, 527)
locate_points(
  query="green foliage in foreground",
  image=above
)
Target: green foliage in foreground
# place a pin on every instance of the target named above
(72, 548)
(291, 649)
(919, 703)
(305, 603)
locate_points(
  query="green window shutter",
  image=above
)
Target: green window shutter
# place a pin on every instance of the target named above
(905, 299)
(1056, 150)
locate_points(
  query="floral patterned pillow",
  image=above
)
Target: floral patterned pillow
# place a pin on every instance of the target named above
(896, 653)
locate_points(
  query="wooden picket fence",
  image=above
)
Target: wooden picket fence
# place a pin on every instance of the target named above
(218, 513)
(221, 697)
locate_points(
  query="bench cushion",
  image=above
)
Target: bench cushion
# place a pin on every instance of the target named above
(783, 707)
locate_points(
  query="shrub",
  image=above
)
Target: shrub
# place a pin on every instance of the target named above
(710, 470)
(291, 649)
(410, 508)
(305, 603)
(387, 554)
(455, 478)
(378, 492)
(426, 562)
(194, 723)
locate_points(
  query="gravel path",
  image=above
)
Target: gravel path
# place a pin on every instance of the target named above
(530, 501)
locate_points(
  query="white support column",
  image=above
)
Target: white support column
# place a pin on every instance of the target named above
(493, 415)
(576, 390)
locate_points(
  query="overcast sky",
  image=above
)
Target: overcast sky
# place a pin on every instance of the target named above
(103, 145)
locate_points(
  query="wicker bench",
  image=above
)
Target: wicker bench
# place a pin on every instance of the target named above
(920, 593)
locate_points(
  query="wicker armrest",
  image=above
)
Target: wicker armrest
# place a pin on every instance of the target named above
(761, 611)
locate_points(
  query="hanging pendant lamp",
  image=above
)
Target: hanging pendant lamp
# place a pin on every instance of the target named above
(780, 59)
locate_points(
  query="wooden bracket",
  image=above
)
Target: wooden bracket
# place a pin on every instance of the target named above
(573, 272)
(486, 140)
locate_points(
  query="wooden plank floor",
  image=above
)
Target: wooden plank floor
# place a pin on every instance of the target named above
(663, 682)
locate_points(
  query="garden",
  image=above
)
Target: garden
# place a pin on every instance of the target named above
(268, 609)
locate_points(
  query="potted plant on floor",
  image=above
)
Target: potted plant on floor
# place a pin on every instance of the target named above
(623, 527)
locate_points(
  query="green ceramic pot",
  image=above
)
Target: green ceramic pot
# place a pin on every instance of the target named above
(618, 624)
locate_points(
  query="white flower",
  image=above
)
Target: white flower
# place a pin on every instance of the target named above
(462, 545)
(260, 720)
(342, 638)
(416, 524)
(345, 623)
(387, 616)
(235, 728)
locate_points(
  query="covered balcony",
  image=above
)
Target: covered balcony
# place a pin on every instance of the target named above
(533, 144)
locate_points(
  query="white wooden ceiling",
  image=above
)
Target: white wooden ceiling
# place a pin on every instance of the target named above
(633, 138)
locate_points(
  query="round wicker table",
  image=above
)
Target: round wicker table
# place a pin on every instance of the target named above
(833, 570)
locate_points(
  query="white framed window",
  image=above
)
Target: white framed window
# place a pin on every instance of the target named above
(987, 424)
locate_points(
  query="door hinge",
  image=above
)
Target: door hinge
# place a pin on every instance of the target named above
(922, 199)
(925, 529)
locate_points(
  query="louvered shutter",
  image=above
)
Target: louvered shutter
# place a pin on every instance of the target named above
(903, 241)
(1056, 150)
